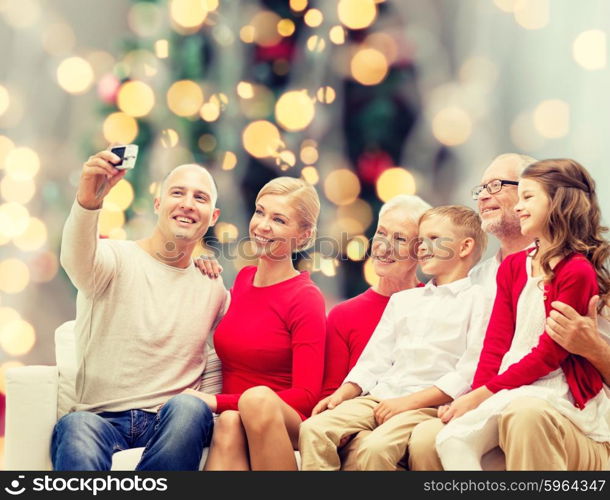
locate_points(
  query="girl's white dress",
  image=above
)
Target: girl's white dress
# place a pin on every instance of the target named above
(464, 440)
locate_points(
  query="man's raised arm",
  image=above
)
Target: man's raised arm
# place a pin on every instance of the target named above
(88, 267)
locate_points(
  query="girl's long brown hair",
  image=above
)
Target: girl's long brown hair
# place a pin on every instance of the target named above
(574, 218)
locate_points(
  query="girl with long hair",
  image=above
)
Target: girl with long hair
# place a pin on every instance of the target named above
(558, 208)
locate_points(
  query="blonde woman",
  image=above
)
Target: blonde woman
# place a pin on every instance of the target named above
(271, 340)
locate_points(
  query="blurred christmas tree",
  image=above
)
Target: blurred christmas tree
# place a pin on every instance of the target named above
(321, 90)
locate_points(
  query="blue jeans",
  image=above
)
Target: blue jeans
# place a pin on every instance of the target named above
(174, 438)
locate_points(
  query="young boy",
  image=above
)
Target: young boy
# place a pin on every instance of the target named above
(422, 354)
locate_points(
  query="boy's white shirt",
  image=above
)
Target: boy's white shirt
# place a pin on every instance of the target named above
(426, 336)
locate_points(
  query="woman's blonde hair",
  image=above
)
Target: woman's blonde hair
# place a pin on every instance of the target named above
(304, 200)
(574, 218)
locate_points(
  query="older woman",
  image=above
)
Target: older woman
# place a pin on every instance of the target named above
(351, 323)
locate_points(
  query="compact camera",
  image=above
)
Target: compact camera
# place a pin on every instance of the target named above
(128, 154)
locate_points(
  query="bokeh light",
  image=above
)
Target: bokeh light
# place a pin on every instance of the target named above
(120, 128)
(286, 27)
(245, 90)
(169, 138)
(369, 273)
(22, 163)
(264, 25)
(19, 191)
(117, 233)
(101, 62)
(229, 161)
(342, 186)
(6, 146)
(552, 118)
(120, 196)
(43, 267)
(14, 219)
(14, 276)
(207, 143)
(162, 48)
(337, 35)
(452, 126)
(21, 14)
(7, 315)
(532, 14)
(212, 5)
(189, 14)
(313, 18)
(298, 5)
(588, 49)
(17, 337)
(111, 217)
(384, 43)
(316, 43)
(524, 135)
(210, 111)
(145, 19)
(357, 248)
(136, 98)
(262, 139)
(33, 238)
(294, 110)
(369, 66)
(310, 174)
(140, 64)
(355, 217)
(226, 232)
(357, 14)
(506, 5)
(75, 75)
(309, 155)
(395, 181)
(4, 100)
(247, 33)
(185, 98)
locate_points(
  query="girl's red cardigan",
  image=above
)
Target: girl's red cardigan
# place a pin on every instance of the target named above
(575, 282)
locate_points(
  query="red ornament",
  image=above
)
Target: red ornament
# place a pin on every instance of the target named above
(108, 88)
(371, 165)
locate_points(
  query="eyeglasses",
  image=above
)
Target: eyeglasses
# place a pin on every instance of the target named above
(492, 187)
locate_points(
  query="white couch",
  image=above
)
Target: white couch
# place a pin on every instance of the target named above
(36, 396)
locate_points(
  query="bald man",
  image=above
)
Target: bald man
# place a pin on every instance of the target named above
(144, 312)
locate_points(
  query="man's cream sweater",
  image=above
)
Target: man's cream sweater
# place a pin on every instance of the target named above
(141, 325)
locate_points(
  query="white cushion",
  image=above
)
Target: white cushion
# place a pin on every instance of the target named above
(128, 459)
(65, 356)
(31, 413)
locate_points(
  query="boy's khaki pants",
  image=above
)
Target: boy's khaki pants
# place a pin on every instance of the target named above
(533, 436)
(380, 449)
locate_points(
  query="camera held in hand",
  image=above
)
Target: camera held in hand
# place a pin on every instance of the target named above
(128, 154)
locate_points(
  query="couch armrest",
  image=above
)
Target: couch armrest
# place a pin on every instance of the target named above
(31, 413)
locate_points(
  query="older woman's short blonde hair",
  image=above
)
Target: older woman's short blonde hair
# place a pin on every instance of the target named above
(304, 199)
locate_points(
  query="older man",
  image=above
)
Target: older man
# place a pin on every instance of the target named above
(533, 435)
(144, 312)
